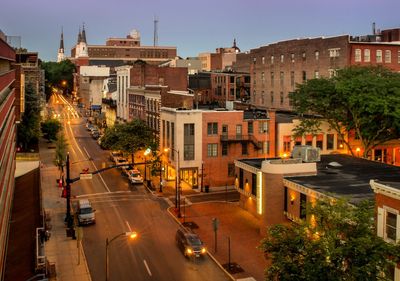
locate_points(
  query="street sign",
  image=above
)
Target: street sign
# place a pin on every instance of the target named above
(85, 176)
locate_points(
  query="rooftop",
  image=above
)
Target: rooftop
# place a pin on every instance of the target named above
(343, 176)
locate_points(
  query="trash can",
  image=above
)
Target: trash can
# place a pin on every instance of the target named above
(207, 188)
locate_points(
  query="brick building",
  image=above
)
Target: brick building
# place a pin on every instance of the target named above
(387, 202)
(210, 140)
(119, 51)
(222, 59)
(275, 69)
(7, 144)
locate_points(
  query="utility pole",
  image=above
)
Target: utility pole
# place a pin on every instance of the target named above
(202, 176)
(68, 217)
(155, 38)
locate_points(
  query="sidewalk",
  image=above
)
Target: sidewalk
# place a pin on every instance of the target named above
(67, 262)
(240, 226)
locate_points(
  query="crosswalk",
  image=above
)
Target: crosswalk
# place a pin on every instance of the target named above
(111, 197)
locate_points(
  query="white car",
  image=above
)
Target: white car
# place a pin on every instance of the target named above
(135, 176)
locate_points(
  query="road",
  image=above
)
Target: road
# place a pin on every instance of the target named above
(120, 208)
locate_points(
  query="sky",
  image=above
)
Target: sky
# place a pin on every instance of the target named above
(192, 26)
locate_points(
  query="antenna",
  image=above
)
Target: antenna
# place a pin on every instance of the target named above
(155, 38)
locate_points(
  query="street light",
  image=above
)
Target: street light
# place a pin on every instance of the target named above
(177, 184)
(146, 152)
(131, 234)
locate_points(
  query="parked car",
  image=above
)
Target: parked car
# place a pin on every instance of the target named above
(135, 176)
(114, 155)
(189, 243)
(122, 160)
(95, 134)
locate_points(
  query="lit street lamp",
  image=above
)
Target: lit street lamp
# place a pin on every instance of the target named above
(177, 184)
(131, 234)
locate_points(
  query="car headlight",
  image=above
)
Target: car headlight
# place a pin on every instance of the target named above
(203, 250)
(189, 251)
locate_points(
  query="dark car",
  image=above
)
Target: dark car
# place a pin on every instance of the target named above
(189, 243)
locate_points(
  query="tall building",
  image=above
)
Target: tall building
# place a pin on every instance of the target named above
(276, 68)
(7, 144)
(60, 54)
(119, 51)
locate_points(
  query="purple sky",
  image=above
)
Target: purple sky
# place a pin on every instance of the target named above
(191, 26)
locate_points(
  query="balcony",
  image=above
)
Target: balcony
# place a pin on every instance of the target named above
(241, 139)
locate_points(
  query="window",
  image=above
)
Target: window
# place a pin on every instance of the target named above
(272, 79)
(212, 150)
(281, 98)
(254, 184)
(388, 224)
(188, 142)
(262, 77)
(319, 143)
(391, 226)
(378, 55)
(286, 143)
(238, 131)
(303, 206)
(262, 127)
(388, 56)
(272, 97)
(316, 74)
(292, 78)
(304, 75)
(224, 151)
(244, 149)
(281, 78)
(265, 147)
(303, 56)
(282, 58)
(241, 179)
(316, 53)
(329, 141)
(262, 97)
(357, 55)
(332, 73)
(231, 169)
(334, 53)
(250, 128)
(292, 57)
(367, 55)
(212, 128)
(263, 60)
(272, 59)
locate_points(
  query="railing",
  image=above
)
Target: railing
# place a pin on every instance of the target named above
(27, 156)
(6, 51)
(6, 78)
(240, 138)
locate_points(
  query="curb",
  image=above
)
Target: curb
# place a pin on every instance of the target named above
(208, 253)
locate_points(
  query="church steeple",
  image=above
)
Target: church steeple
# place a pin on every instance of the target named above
(83, 35)
(62, 39)
(60, 54)
(79, 36)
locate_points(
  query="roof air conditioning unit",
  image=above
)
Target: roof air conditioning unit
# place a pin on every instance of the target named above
(307, 153)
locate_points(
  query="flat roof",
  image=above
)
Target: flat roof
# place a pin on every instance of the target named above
(350, 178)
(342, 175)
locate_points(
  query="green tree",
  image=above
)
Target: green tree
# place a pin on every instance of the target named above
(365, 100)
(56, 73)
(50, 129)
(128, 137)
(28, 130)
(337, 242)
(61, 152)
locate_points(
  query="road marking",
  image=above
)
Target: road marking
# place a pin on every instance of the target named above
(147, 267)
(104, 193)
(129, 227)
(105, 185)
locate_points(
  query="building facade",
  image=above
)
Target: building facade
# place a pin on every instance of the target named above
(210, 140)
(7, 144)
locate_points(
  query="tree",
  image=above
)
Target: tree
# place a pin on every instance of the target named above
(56, 73)
(337, 242)
(28, 131)
(365, 100)
(50, 129)
(61, 152)
(128, 137)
